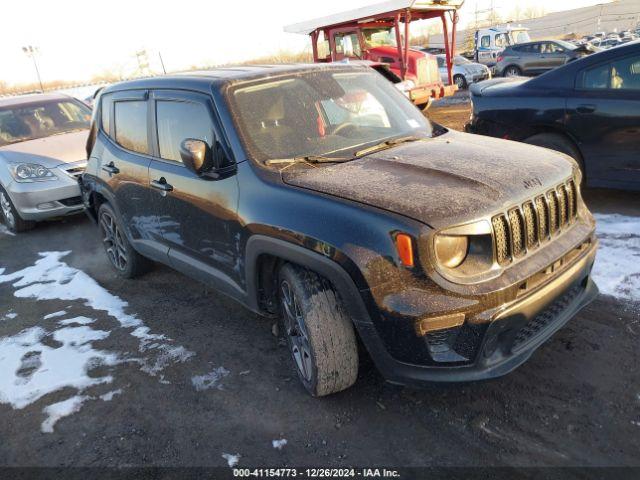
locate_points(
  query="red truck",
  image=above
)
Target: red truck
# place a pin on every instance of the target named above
(379, 35)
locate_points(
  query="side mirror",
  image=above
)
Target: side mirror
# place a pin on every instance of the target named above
(196, 156)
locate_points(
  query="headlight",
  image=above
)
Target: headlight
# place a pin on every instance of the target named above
(451, 250)
(31, 172)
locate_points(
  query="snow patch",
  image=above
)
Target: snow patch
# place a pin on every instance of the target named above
(60, 410)
(76, 321)
(31, 368)
(279, 444)
(210, 380)
(232, 460)
(617, 267)
(51, 279)
(9, 316)
(107, 397)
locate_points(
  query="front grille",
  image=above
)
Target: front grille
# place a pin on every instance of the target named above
(501, 234)
(537, 324)
(526, 226)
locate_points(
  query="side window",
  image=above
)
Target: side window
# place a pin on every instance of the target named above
(625, 74)
(177, 121)
(348, 44)
(485, 41)
(324, 51)
(106, 101)
(596, 78)
(441, 62)
(501, 40)
(131, 125)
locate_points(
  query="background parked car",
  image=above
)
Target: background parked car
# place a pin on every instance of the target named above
(534, 58)
(42, 152)
(465, 72)
(588, 109)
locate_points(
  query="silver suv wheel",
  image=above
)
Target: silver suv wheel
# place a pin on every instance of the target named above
(7, 212)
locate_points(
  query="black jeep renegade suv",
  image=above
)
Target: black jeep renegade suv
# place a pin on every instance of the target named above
(321, 194)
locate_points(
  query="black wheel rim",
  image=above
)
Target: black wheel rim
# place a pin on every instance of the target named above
(113, 241)
(296, 332)
(7, 211)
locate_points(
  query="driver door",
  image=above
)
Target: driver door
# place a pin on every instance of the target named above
(196, 215)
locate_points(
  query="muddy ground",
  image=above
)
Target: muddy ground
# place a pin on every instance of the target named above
(231, 388)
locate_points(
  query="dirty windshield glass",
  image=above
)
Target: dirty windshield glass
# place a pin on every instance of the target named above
(20, 123)
(327, 113)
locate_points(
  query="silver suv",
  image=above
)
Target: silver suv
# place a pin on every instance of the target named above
(534, 58)
(42, 152)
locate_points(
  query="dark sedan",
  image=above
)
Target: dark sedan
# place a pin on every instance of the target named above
(588, 109)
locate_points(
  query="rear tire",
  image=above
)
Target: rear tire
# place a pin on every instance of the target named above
(319, 332)
(512, 71)
(10, 216)
(559, 143)
(123, 258)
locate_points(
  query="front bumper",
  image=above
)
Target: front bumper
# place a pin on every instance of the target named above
(514, 331)
(478, 77)
(41, 200)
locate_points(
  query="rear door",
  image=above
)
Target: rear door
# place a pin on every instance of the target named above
(196, 215)
(123, 165)
(604, 114)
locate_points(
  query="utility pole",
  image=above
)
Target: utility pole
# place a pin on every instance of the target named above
(162, 63)
(31, 51)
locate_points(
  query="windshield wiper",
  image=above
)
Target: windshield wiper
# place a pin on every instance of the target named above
(385, 145)
(308, 159)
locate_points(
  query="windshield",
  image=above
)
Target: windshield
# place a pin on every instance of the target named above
(458, 60)
(20, 123)
(566, 45)
(519, 36)
(379, 37)
(322, 113)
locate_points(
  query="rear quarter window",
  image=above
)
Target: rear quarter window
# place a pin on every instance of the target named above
(106, 102)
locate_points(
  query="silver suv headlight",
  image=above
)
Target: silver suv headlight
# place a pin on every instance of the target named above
(31, 172)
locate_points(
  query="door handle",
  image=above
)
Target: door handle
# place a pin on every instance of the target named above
(111, 169)
(162, 185)
(586, 108)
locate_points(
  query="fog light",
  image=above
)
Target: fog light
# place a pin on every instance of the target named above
(434, 324)
(46, 206)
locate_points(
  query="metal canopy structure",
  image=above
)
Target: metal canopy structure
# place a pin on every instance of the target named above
(432, 8)
(390, 13)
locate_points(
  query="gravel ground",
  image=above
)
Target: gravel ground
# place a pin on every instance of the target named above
(189, 378)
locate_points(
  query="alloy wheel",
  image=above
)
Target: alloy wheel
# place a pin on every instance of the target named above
(113, 241)
(7, 211)
(296, 332)
(460, 82)
(513, 72)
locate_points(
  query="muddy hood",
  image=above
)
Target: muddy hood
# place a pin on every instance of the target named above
(443, 181)
(49, 151)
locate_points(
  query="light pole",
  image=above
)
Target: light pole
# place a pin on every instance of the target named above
(31, 51)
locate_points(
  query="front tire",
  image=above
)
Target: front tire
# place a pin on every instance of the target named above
(319, 332)
(460, 81)
(123, 258)
(10, 216)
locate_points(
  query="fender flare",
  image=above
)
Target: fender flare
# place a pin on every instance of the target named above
(260, 245)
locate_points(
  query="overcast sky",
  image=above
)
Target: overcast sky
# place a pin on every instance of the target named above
(78, 39)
